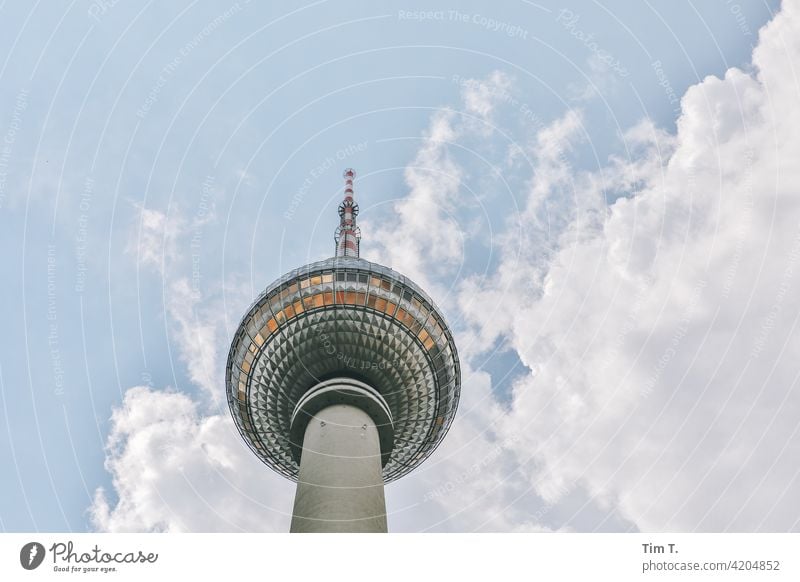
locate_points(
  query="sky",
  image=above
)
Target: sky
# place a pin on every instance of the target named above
(600, 196)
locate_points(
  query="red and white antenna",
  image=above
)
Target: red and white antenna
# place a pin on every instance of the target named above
(348, 235)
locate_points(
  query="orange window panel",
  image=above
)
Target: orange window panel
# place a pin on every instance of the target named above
(374, 282)
(350, 297)
(428, 343)
(390, 307)
(259, 339)
(340, 297)
(371, 301)
(401, 313)
(298, 307)
(272, 325)
(361, 298)
(423, 335)
(246, 366)
(386, 284)
(318, 300)
(328, 297)
(327, 278)
(380, 304)
(316, 280)
(289, 311)
(308, 302)
(305, 283)
(408, 319)
(280, 317)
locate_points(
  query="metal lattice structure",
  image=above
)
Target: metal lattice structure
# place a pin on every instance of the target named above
(344, 317)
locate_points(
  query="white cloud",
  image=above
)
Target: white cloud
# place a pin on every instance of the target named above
(197, 314)
(426, 237)
(661, 334)
(425, 232)
(469, 477)
(153, 242)
(473, 475)
(174, 469)
(481, 97)
(176, 464)
(199, 324)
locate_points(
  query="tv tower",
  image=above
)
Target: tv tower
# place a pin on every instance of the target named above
(343, 376)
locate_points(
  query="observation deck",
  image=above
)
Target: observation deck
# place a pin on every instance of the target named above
(343, 317)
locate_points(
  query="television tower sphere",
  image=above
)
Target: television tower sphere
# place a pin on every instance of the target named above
(343, 376)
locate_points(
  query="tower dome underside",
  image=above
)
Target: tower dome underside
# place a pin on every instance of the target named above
(343, 317)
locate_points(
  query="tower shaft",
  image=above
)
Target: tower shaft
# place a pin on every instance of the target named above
(340, 485)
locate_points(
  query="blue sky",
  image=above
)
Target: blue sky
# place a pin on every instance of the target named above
(571, 164)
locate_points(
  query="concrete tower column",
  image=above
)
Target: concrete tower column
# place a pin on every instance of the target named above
(340, 486)
(342, 432)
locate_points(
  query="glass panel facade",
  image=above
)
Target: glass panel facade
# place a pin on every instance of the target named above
(339, 300)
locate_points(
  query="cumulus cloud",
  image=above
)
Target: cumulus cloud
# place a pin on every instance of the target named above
(660, 328)
(425, 223)
(197, 314)
(200, 323)
(432, 236)
(469, 478)
(177, 462)
(175, 469)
